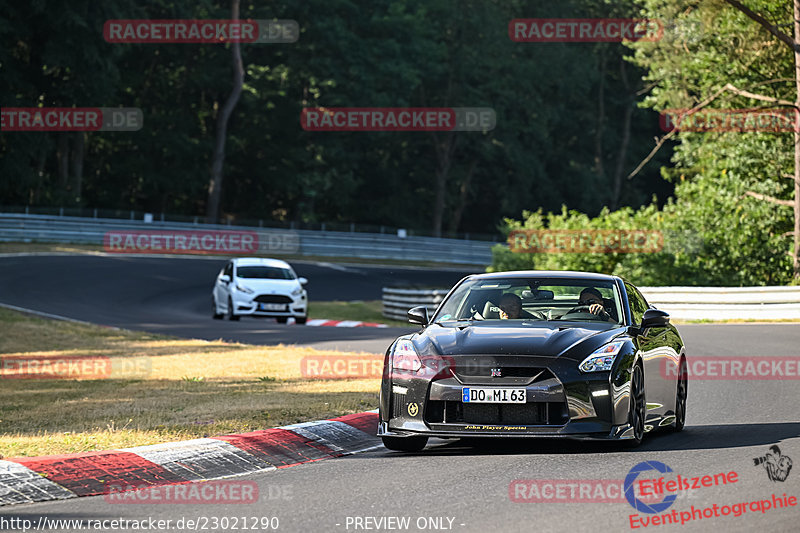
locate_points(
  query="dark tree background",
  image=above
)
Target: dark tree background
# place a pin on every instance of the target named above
(568, 126)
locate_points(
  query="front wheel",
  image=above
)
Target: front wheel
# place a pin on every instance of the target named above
(231, 314)
(405, 444)
(300, 319)
(215, 314)
(638, 410)
(680, 397)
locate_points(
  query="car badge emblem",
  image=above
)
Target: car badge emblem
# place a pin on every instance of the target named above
(413, 409)
(496, 373)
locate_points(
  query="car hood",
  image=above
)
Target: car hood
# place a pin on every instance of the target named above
(260, 284)
(549, 339)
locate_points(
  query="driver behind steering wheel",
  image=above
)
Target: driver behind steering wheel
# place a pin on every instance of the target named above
(592, 298)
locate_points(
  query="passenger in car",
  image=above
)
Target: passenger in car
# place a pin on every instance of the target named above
(511, 307)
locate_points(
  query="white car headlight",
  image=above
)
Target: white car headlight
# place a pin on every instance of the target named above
(602, 358)
(246, 290)
(298, 291)
(405, 357)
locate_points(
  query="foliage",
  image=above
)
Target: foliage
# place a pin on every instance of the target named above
(551, 146)
(743, 240)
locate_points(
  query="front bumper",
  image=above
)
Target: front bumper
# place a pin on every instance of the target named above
(561, 402)
(576, 431)
(253, 305)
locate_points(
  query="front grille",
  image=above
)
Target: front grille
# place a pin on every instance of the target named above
(272, 299)
(527, 414)
(477, 374)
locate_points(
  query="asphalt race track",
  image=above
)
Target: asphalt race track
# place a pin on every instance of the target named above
(173, 296)
(451, 486)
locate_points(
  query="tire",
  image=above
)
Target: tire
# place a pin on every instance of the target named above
(215, 314)
(680, 397)
(638, 411)
(405, 444)
(300, 319)
(282, 319)
(231, 314)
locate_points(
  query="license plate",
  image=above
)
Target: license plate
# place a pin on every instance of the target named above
(273, 307)
(492, 395)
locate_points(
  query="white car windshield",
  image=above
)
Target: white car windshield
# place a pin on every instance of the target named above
(529, 299)
(264, 272)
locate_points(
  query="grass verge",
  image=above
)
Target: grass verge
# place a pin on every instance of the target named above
(366, 311)
(190, 389)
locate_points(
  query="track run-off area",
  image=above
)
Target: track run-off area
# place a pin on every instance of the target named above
(489, 485)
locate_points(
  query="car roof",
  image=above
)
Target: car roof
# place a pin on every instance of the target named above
(555, 274)
(260, 261)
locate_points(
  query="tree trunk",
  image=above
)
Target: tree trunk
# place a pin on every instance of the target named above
(62, 155)
(796, 255)
(622, 155)
(601, 118)
(215, 185)
(455, 221)
(35, 193)
(77, 166)
(444, 157)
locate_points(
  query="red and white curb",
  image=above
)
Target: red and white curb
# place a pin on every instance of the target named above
(58, 477)
(344, 323)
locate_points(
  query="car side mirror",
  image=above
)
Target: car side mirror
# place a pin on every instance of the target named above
(302, 281)
(418, 315)
(655, 318)
(225, 278)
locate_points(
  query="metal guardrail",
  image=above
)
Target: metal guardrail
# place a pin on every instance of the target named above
(682, 303)
(77, 230)
(726, 303)
(397, 301)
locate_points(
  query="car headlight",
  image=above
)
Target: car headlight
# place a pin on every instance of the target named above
(246, 290)
(602, 358)
(405, 357)
(298, 291)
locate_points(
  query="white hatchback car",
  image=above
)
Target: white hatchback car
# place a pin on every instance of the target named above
(261, 287)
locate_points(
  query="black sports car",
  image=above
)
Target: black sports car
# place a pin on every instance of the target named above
(534, 354)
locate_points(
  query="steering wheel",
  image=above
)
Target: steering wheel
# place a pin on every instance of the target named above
(583, 310)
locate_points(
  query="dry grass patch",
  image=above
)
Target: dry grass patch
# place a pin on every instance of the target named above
(190, 389)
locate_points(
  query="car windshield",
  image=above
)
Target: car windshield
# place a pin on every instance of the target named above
(533, 299)
(264, 272)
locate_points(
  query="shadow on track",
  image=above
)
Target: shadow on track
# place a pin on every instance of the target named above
(708, 437)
